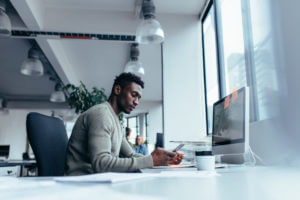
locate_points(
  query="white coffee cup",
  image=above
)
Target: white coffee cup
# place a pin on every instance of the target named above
(205, 160)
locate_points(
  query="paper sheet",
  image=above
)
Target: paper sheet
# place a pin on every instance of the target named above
(37, 189)
(104, 177)
(187, 174)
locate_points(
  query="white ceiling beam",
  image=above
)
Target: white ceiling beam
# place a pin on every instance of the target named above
(59, 60)
(31, 12)
(24, 9)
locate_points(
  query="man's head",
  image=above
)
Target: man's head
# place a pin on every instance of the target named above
(127, 90)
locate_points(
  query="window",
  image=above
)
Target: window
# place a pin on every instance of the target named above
(244, 55)
(132, 123)
(231, 45)
(145, 131)
(210, 63)
(138, 125)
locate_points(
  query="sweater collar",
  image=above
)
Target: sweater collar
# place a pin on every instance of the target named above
(111, 109)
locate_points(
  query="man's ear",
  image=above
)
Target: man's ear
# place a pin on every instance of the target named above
(117, 89)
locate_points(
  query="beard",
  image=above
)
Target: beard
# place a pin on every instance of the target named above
(123, 108)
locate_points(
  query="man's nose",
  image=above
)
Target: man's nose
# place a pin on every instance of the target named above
(136, 101)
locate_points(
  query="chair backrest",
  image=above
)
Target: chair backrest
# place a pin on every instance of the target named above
(48, 139)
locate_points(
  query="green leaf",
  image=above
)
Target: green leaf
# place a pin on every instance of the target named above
(82, 99)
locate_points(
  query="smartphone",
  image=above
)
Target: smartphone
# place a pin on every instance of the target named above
(178, 147)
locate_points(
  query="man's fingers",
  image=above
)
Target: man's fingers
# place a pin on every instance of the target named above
(171, 154)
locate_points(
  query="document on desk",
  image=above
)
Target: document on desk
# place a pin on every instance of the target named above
(187, 174)
(104, 177)
(46, 189)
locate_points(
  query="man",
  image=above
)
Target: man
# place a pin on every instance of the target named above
(97, 143)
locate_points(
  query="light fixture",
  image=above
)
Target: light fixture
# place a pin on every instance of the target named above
(58, 95)
(150, 30)
(32, 66)
(5, 24)
(133, 65)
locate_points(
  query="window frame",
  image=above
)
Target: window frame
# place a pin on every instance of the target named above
(248, 53)
(211, 4)
(138, 125)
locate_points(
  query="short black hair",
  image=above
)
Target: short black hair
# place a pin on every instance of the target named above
(126, 78)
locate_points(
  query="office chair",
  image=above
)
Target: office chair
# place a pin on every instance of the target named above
(48, 139)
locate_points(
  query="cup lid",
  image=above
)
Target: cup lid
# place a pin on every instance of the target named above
(203, 153)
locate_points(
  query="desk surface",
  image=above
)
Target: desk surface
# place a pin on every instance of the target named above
(233, 183)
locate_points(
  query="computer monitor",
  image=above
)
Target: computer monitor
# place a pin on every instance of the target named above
(4, 151)
(159, 140)
(230, 135)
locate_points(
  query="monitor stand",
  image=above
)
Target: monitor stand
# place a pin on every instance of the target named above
(233, 159)
(243, 158)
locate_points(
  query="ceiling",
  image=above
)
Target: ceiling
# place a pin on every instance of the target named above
(162, 6)
(13, 53)
(94, 62)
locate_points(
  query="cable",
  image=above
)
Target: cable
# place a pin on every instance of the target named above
(255, 156)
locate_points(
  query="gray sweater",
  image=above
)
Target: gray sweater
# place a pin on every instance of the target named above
(97, 144)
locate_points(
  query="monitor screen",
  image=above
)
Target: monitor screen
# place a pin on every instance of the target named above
(4, 151)
(159, 140)
(229, 115)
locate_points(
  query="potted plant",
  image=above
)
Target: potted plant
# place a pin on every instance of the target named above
(81, 99)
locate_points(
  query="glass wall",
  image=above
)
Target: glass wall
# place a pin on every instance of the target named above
(245, 54)
(231, 43)
(210, 63)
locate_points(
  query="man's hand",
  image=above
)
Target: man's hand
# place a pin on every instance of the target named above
(162, 157)
(177, 158)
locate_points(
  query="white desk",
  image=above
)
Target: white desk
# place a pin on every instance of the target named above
(22, 163)
(235, 183)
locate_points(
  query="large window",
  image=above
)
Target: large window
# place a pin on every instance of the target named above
(138, 125)
(133, 124)
(242, 33)
(210, 63)
(231, 45)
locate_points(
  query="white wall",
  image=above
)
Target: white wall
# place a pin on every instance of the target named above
(183, 88)
(277, 140)
(154, 122)
(13, 130)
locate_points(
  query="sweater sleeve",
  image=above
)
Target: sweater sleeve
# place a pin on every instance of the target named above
(100, 128)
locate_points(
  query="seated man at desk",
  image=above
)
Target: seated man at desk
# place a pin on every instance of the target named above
(97, 143)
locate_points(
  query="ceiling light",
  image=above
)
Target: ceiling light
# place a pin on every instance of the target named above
(133, 65)
(150, 30)
(5, 24)
(32, 66)
(58, 96)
